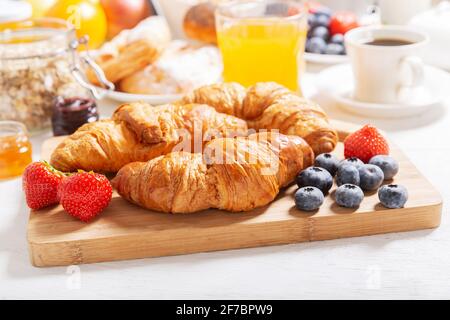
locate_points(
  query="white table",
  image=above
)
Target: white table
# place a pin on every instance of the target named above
(402, 265)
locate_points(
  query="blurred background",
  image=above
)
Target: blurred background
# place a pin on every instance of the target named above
(120, 14)
(103, 19)
(184, 35)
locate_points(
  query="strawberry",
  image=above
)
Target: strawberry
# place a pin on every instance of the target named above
(40, 183)
(342, 22)
(85, 194)
(365, 143)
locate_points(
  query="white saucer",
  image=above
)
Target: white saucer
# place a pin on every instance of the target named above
(337, 83)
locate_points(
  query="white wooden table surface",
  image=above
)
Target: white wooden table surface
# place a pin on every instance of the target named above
(402, 265)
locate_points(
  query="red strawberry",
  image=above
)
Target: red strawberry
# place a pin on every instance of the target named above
(342, 22)
(365, 143)
(40, 183)
(85, 194)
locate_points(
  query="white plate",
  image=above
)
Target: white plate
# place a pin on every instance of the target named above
(337, 83)
(325, 58)
(131, 97)
(154, 99)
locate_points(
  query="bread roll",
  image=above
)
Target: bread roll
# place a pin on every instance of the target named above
(132, 50)
(180, 69)
(132, 58)
(199, 23)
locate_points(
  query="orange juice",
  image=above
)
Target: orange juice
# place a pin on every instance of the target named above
(262, 41)
(255, 51)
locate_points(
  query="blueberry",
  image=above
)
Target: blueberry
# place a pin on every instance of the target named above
(321, 20)
(393, 196)
(311, 20)
(328, 162)
(352, 161)
(316, 45)
(387, 164)
(334, 48)
(337, 38)
(371, 177)
(315, 177)
(320, 32)
(347, 174)
(308, 198)
(315, 20)
(349, 196)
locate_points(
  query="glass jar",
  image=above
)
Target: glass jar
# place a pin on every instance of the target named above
(15, 149)
(39, 62)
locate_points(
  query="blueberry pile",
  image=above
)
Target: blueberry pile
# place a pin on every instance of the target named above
(320, 39)
(353, 177)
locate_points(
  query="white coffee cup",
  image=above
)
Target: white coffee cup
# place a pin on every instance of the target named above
(386, 73)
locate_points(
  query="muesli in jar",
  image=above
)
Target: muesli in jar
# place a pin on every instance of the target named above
(38, 62)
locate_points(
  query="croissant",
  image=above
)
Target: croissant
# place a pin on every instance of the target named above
(234, 174)
(268, 105)
(140, 132)
(132, 58)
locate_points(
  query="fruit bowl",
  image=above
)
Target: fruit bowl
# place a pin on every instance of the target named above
(326, 31)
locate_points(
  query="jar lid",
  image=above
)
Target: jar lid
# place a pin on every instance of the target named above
(11, 11)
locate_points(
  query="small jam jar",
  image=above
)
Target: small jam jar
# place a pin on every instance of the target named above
(15, 149)
(71, 113)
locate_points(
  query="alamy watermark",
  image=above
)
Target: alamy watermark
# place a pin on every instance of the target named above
(260, 148)
(73, 280)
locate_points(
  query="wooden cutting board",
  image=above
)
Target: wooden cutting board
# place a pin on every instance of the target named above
(125, 231)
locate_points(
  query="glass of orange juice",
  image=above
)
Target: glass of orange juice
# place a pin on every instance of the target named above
(15, 149)
(262, 41)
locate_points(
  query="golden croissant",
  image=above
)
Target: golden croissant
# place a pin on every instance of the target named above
(131, 58)
(268, 105)
(140, 132)
(234, 174)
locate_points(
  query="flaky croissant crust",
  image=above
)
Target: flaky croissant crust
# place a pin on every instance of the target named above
(140, 132)
(234, 174)
(268, 105)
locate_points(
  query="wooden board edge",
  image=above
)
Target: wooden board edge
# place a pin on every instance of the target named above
(387, 221)
(146, 245)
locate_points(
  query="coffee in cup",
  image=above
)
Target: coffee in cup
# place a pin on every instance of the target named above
(388, 42)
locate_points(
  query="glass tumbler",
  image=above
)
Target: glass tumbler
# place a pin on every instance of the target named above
(262, 41)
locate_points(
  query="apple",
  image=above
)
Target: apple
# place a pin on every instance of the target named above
(124, 14)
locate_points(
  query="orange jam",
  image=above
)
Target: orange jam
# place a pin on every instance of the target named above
(15, 149)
